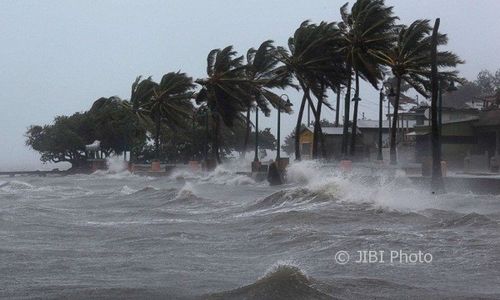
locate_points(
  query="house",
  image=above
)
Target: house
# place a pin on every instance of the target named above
(369, 130)
(467, 133)
(333, 141)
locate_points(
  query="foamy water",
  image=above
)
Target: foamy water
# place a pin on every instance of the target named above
(224, 236)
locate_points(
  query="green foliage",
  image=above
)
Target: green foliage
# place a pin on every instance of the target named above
(63, 141)
(264, 74)
(313, 57)
(366, 30)
(113, 125)
(107, 121)
(226, 91)
(409, 57)
(487, 82)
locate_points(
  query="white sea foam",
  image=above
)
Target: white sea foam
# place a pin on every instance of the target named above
(393, 193)
(126, 190)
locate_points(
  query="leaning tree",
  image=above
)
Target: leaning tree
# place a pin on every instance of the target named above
(263, 74)
(171, 104)
(409, 59)
(366, 29)
(225, 91)
(309, 59)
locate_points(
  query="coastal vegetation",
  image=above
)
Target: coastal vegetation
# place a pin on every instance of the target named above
(180, 118)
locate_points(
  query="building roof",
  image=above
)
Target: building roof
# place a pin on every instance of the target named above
(465, 119)
(462, 120)
(331, 130)
(372, 124)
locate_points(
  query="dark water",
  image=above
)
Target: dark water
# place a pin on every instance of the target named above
(223, 236)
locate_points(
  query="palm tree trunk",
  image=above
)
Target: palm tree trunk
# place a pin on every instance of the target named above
(216, 139)
(317, 127)
(347, 102)
(247, 134)
(337, 108)
(355, 117)
(157, 135)
(298, 127)
(393, 154)
(437, 183)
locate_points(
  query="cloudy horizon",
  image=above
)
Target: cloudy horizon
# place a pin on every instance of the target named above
(59, 57)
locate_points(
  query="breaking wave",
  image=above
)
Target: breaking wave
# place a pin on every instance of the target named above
(284, 282)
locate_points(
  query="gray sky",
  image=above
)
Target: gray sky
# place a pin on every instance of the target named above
(57, 57)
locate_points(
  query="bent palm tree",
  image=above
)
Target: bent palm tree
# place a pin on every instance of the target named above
(365, 30)
(141, 93)
(225, 91)
(310, 59)
(171, 103)
(410, 61)
(262, 72)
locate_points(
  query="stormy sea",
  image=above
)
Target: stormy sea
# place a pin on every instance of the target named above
(115, 235)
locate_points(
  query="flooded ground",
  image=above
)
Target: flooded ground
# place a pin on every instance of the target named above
(224, 236)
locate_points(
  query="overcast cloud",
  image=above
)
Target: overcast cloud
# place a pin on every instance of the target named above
(57, 57)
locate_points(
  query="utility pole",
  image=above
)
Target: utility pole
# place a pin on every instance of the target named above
(437, 183)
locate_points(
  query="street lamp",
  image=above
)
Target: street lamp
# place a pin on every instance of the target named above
(287, 104)
(379, 156)
(256, 157)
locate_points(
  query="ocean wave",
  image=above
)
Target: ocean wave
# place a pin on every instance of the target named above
(126, 190)
(224, 176)
(294, 197)
(472, 219)
(381, 191)
(284, 282)
(15, 185)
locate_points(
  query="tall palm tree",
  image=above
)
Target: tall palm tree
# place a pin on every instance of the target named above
(226, 91)
(365, 30)
(171, 103)
(141, 94)
(410, 61)
(309, 60)
(262, 72)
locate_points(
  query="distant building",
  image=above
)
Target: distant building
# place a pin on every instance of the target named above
(369, 130)
(464, 132)
(333, 141)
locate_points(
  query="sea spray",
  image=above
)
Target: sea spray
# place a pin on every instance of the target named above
(116, 164)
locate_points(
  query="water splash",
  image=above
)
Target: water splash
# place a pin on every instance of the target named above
(116, 164)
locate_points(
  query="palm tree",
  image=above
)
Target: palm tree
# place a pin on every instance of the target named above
(171, 104)
(141, 93)
(310, 58)
(225, 91)
(410, 61)
(365, 30)
(261, 70)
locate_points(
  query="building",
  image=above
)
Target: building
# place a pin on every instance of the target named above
(468, 132)
(369, 130)
(333, 141)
